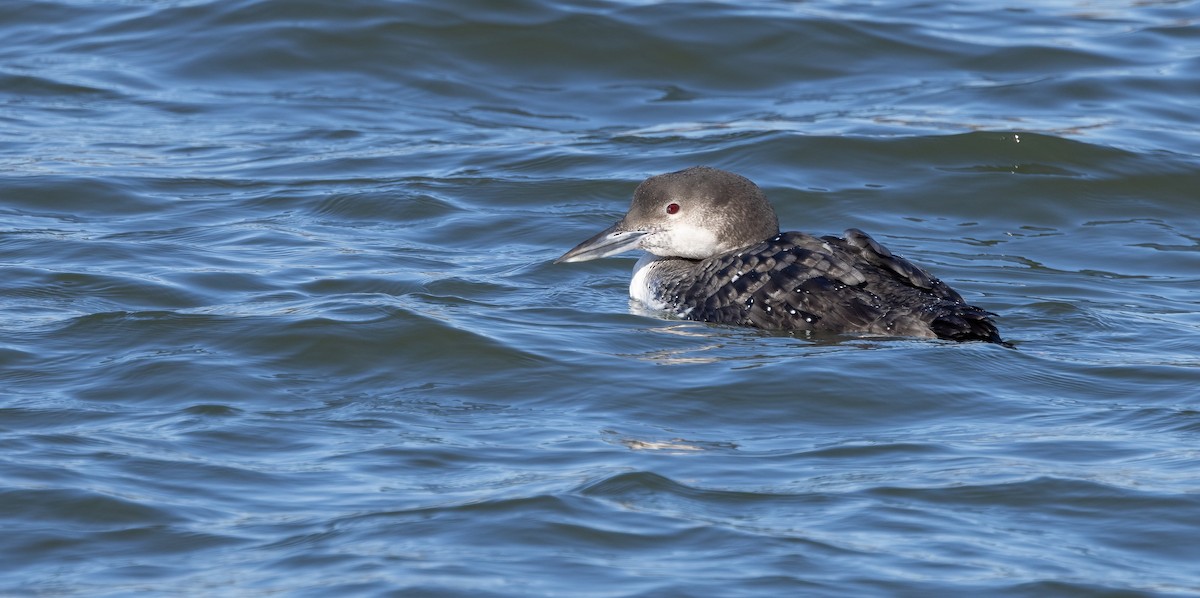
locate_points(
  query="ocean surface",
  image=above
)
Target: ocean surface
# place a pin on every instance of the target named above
(280, 317)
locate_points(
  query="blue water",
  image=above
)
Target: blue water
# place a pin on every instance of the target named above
(280, 315)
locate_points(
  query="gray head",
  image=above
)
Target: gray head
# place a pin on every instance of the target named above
(694, 213)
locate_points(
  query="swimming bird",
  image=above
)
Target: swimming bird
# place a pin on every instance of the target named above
(715, 254)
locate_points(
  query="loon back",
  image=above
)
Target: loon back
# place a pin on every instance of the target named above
(795, 281)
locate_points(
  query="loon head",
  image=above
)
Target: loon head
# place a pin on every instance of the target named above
(694, 213)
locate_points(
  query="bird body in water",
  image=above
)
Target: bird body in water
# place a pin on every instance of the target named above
(716, 255)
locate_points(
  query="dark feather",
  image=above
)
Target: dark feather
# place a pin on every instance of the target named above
(796, 281)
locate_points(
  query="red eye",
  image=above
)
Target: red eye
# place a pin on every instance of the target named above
(672, 208)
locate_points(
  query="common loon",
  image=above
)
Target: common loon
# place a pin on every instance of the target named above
(716, 255)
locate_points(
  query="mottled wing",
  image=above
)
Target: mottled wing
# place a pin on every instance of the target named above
(799, 282)
(790, 282)
(930, 304)
(870, 251)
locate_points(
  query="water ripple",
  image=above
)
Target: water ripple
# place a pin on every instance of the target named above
(281, 313)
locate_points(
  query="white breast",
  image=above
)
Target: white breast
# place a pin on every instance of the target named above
(641, 285)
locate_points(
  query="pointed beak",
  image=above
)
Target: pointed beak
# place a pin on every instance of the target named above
(610, 241)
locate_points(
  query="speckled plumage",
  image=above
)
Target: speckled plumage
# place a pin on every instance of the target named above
(721, 258)
(795, 281)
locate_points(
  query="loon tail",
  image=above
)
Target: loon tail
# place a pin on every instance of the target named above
(967, 323)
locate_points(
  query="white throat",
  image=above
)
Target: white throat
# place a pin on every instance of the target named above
(683, 239)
